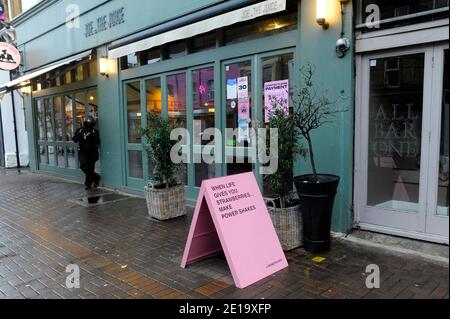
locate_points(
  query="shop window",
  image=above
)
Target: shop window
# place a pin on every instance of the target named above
(49, 120)
(154, 106)
(392, 73)
(150, 56)
(205, 42)
(135, 164)
(43, 159)
(80, 103)
(68, 106)
(404, 8)
(92, 67)
(92, 105)
(40, 115)
(177, 103)
(175, 50)
(59, 119)
(239, 115)
(204, 118)
(264, 26)
(51, 156)
(79, 73)
(277, 78)
(61, 156)
(134, 115)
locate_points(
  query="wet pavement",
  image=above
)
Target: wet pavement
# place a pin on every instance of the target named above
(122, 253)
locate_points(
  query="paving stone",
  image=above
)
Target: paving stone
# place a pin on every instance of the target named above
(123, 254)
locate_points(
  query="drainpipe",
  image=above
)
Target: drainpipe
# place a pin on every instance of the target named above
(13, 104)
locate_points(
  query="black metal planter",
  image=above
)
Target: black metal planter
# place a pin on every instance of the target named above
(317, 201)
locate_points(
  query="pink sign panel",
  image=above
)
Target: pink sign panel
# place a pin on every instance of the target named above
(276, 96)
(231, 216)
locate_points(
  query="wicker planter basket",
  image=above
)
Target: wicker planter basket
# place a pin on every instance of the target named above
(164, 204)
(288, 224)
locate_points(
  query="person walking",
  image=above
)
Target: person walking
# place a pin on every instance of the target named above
(88, 140)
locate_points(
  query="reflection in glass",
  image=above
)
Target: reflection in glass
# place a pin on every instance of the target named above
(278, 68)
(40, 120)
(49, 120)
(134, 114)
(443, 190)
(51, 156)
(92, 106)
(264, 26)
(68, 106)
(135, 167)
(239, 110)
(61, 157)
(43, 155)
(154, 106)
(154, 96)
(59, 119)
(203, 98)
(80, 102)
(176, 101)
(71, 157)
(395, 132)
(204, 118)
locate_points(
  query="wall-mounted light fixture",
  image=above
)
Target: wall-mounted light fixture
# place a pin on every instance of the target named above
(104, 66)
(39, 86)
(321, 13)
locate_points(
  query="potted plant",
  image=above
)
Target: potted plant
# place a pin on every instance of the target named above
(284, 210)
(316, 191)
(164, 194)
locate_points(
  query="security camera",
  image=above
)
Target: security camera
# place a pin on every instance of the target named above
(342, 46)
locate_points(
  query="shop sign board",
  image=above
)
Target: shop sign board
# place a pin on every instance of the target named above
(231, 217)
(9, 57)
(276, 95)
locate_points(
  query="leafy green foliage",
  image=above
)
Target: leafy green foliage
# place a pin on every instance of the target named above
(159, 149)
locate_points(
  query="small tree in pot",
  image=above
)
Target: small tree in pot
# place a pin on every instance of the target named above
(164, 194)
(316, 191)
(284, 210)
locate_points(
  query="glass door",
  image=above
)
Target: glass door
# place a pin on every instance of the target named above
(402, 165)
(205, 120)
(438, 199)
(394, 127)
(238, 116)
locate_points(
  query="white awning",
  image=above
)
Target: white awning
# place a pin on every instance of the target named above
(44, 70)
(244, 14)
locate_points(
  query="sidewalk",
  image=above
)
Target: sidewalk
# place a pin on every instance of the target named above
(124, 254)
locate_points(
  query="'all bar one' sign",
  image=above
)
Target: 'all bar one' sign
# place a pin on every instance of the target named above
(231, 217)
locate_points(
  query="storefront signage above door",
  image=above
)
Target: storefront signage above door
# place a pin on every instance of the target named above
(105, 22)
(9, 57)
(231, 216)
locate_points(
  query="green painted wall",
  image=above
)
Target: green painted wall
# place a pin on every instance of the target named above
(39, 32)
(333, 143)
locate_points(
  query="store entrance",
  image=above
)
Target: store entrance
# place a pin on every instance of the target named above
(57, 119)
(227, 96)
(403, 158)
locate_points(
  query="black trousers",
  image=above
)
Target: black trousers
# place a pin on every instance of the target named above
(87, 165)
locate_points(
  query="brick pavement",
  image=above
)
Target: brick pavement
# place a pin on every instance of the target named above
(124, 254)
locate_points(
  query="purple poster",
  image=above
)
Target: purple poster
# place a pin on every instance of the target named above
(276, 95)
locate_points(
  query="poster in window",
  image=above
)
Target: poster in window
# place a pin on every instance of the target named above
(276, 96)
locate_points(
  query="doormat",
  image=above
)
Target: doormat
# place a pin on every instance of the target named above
(98, 200)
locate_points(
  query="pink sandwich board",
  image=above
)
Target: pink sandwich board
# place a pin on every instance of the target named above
(231, 216)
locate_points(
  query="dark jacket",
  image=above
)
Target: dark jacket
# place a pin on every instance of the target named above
(88, 139)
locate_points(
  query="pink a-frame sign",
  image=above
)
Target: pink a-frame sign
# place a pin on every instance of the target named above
(231, 216)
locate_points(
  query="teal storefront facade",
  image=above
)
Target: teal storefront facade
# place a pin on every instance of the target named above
(184, 80)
